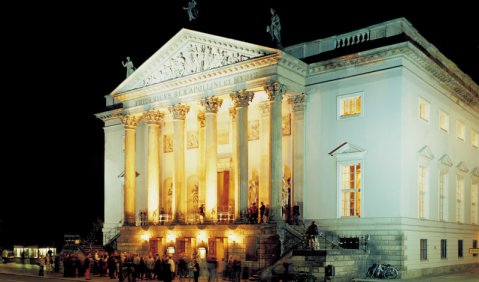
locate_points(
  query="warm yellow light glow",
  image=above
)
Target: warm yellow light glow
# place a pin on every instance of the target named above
(202, 236)
(202, 252)
(233, 238)
(170, 237)
(145, 236)
(170, 250)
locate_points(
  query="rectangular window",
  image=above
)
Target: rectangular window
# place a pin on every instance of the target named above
(422, 187)
(474, 245)
(424, 109)
(474, 196)
(474, 139)
(423, 249)
(460, 248)
(459, 198)
(460, 130)
(442, 195)
(351, 189)
(443, 249)
(444, 121)
(350, 105)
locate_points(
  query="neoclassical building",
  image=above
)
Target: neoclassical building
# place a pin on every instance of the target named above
(372, 133)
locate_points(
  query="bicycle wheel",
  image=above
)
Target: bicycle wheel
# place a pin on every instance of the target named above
(390, 273)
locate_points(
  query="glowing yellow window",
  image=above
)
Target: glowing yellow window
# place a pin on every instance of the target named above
(350, 106)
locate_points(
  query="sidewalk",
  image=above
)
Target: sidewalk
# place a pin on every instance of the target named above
(32, 270)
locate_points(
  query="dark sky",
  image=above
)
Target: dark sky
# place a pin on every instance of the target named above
(60, 60)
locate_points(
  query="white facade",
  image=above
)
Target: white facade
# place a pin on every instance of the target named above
(388, 146)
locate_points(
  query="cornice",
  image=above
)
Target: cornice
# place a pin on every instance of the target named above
(109, 115)
(469, 93)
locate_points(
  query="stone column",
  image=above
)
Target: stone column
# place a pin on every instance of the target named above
(153, 119)
(275, 95)
(241, 100)
(179, 112)
(201, 159)
(265, 157)
(235, 167)
(298, 104)
(130, 122)
(211, 105)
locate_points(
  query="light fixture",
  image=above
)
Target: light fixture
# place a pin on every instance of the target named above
(145, 236)
(170, 250)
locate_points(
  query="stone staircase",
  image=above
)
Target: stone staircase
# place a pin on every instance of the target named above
(297, 258)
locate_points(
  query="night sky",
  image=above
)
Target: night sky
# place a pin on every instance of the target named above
(60, 60)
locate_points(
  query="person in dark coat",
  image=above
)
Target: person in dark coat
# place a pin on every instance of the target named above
(196, 270)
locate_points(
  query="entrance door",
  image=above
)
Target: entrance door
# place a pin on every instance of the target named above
(223, 191)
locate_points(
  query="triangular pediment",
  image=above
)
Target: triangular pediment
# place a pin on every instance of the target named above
(462, 167)
(445, 160)
(346, 148)
(191, 52)
(426, 152)
(475, 171)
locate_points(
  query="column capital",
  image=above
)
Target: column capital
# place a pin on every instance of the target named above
(201, 119)
(298, 102)
(153, 117)
(179, 110)
(211, 104)
(233, 113)
(242, 98)
(275, 91)
(130, 121)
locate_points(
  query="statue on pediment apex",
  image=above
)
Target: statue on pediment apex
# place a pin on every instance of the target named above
(275, 29)
(130, 68)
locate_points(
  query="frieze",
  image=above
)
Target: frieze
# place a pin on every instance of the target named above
(194, 58)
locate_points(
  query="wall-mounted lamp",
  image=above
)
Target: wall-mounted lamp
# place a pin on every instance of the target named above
(170, 250)
(145, 236)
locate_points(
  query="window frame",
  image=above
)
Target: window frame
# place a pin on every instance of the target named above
(339, 108)
(341, 191)
(427, 112)
(423, 249)
(460, 248)
(474, 139)
(460, 178)
(443, 248)
(446, 115)
(460, 128)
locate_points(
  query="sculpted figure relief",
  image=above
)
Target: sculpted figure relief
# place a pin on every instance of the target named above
(192, 10)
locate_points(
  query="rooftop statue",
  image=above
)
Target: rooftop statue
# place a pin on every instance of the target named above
(192, 10)
(275, 29)
(129, 66)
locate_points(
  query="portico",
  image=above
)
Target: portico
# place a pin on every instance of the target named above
(204, 122)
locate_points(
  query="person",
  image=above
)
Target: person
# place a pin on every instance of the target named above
(296, 214)
(312, 232)
(275, 29)
(42, 266)
(261, 212)
(192, 10)
(129, 66)
(196, 270)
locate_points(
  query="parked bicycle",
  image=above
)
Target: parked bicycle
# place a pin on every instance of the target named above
(386, 271)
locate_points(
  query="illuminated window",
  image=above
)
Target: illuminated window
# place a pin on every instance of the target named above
(459, 198)
(444, 121)
(474, 139)
(460, 130)
(350, 105)
(443, 249)
(423, 249)
(351, 189)
(424, 109)
(422, 187)
(442, 195)
(474, 195)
